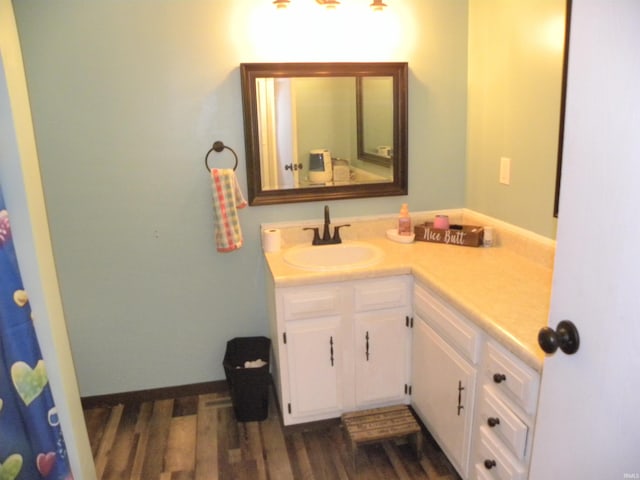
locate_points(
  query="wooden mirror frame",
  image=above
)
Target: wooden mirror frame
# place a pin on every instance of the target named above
(249, 72)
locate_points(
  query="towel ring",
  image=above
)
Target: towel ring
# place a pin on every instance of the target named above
(218, 146)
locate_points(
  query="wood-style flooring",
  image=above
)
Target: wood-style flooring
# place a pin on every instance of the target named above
(197, 437)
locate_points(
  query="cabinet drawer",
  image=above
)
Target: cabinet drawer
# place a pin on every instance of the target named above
(382, 293)
(495, 459)
(310, 303)
(505, 424)
(448, 323)
(512, 377)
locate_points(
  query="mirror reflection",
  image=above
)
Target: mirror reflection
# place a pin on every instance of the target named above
(324, 129)
(307, 131)
(375, 119)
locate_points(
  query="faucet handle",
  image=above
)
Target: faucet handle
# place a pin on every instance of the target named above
(336, 232)
(316, 235)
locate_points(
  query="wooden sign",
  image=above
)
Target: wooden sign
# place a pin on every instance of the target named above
(465, 235)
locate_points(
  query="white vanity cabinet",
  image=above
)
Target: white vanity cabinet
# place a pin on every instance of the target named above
(477, 399)
(446, 349)
(382, 341)
(341, 346)
(314, 366)
(507, 405)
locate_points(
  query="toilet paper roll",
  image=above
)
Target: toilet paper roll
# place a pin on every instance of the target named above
(271, 240)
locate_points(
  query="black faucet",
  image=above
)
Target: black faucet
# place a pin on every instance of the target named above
(326, 239)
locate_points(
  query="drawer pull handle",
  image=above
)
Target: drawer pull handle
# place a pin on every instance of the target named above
(489, 464)
(493, 421)
(331, 349)
(460, 389)
(366, 338)
(499, 377)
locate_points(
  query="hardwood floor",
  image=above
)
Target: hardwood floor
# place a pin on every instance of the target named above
(197, 437)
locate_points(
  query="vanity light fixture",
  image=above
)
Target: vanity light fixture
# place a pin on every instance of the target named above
(376, 5)
(329, 4)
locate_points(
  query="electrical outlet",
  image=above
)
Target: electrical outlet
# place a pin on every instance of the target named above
(505, 170)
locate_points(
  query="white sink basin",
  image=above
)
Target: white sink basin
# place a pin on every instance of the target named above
(341, 256)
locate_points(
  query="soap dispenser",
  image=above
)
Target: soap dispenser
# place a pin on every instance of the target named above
(404, 221)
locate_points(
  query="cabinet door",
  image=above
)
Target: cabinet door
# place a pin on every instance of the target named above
(443, 391)
(382, 346)
(314, 362)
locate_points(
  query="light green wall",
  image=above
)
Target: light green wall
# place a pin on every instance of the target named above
(128, 96)
(515, 77)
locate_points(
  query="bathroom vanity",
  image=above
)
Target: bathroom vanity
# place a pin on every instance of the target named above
(446, 351)
(476, 398)
(341, 346)
(450, 330)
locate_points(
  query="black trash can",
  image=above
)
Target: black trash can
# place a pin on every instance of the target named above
(249, 387)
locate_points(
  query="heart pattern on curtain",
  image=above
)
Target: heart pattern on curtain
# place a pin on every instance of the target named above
(31, 442)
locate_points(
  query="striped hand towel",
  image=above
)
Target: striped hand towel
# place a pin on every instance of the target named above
(227, 198)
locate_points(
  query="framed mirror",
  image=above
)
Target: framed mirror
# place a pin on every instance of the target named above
(325, 131)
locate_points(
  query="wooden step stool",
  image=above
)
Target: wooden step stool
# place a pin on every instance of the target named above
(378, 424)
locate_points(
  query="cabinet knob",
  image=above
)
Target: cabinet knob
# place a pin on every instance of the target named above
(565, 337)
(493, 421)
(489, 464)
(499, 377)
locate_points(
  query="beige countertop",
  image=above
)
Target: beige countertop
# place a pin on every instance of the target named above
(503, 292)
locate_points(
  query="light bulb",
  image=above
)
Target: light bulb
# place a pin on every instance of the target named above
(377, 5)
(329, 4)
(281, 3)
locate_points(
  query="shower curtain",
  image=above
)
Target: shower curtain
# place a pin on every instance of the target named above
(31, 443)
(277, 132)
